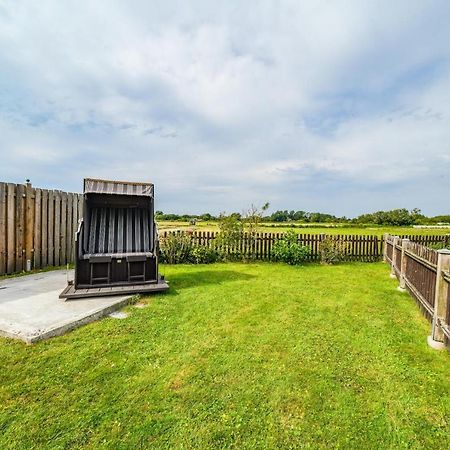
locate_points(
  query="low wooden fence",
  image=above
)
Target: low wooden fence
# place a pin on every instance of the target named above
(259, 245)
(37, 227)
(425, 274)
(366, 248)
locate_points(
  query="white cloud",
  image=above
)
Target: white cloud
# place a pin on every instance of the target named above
(224, 104)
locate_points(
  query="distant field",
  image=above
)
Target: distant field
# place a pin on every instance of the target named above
(308, 228)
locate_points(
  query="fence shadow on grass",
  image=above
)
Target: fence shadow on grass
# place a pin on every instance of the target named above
(204, 277)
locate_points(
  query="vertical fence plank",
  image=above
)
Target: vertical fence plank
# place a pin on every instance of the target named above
(37, 228)
(11, 228)
(69, 228)
(63, 229)
(57, 228)
(44, 228)
(51, 228)
(20, 227)
(2, 228)
(29, 227)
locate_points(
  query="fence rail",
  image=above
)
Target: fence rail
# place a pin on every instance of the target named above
(425, 274)
(37, 227)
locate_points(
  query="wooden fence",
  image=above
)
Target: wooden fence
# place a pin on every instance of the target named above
(259, 245)
(37, 227)
(425, 274)
(366, 248)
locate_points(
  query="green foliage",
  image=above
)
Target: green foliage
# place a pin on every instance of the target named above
(439, 219)
(306, 217)
(395, 217)
(254, 217)
(288, 250)
(176, 248)
(160, 216)
(231, 229)
(332, 250)
(439, 245)
(204, 255)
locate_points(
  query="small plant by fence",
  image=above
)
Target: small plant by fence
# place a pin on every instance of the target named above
(425, 274)
(37, 227)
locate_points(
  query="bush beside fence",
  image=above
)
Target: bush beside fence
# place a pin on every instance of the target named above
(425, 274)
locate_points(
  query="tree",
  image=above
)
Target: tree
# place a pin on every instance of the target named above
(253, 217)
(279, 216)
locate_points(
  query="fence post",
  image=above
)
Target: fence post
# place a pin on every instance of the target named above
(384, 243)
(436, 340)
(402, 286)
(394, 256)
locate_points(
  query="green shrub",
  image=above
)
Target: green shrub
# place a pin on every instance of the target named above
(288, 250)
(231, 232)
(439, 246)
(332, 251)
(176, 248)
(204, 255)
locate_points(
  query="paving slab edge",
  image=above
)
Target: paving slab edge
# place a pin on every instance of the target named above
(67, 326)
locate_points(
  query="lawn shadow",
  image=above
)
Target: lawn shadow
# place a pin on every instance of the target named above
(204, 277)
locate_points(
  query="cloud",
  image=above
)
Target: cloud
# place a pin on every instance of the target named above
(338, 106)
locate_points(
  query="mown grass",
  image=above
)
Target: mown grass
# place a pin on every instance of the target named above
(238, 355)
(165, 225)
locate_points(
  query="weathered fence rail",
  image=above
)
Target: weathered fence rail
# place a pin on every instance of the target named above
(37, 227)
(425, 274)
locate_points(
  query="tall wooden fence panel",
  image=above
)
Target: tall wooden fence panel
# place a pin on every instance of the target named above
(37, 227)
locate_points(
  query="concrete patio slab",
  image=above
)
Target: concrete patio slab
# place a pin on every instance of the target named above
(30, 309)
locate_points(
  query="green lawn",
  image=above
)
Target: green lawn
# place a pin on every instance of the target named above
(238, 355)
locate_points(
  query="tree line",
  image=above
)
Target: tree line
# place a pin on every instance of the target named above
(394, 217)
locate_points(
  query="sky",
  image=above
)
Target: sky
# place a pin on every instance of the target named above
(333, 106)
